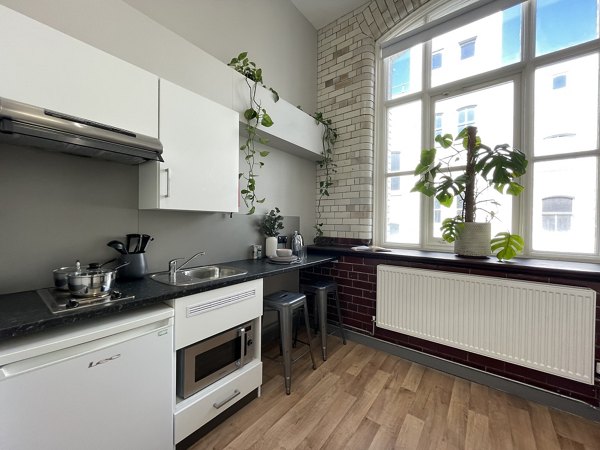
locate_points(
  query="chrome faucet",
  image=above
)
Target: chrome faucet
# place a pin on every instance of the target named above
(173, 269)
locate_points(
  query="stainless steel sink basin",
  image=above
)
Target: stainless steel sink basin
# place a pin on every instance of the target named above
(198, 275)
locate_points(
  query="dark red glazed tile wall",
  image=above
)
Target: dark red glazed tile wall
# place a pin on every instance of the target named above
(357, 283)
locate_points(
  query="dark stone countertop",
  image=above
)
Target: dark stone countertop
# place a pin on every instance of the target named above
(25, 312)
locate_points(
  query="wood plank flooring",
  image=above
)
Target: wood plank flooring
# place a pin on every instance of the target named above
(361, 398)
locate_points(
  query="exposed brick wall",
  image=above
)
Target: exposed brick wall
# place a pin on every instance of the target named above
(357, 282)
(346, 95)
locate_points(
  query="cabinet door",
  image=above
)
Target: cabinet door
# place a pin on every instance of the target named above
(44, 67)
(200, 140)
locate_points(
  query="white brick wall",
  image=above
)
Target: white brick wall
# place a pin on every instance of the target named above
(346, 93)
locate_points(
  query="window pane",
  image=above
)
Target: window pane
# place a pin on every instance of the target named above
(565, 231)
(403, 137)
(404, 72)
(489, 109)
(486, 44)
(564, 23)
(403, 212)
(566, 119)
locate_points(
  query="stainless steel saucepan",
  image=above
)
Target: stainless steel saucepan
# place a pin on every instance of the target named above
(95, 281)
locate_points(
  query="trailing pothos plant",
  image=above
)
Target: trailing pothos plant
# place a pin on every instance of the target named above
(255, 116)
(328, 139)
(498, 167)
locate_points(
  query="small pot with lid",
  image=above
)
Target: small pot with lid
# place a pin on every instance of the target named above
(61, 281)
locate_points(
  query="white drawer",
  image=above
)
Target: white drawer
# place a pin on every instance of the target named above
(195, 411)
(200, 316)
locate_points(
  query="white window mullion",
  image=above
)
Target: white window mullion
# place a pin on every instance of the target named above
(426, 126)
(525, 215)
(597, 249)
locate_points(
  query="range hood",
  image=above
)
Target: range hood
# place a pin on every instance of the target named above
(23, 124)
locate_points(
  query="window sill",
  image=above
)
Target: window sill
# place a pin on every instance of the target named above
(517, 267)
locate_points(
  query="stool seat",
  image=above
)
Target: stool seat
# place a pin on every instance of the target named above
(318, 285)
(321, 288)
(282, 299)
(285, 303)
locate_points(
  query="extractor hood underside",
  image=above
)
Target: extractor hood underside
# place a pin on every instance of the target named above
(26, 134)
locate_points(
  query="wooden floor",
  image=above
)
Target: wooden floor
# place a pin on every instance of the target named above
(361, 398)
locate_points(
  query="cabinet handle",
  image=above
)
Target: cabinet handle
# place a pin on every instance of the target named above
(231, 397)
(168, 173)
(242, 346)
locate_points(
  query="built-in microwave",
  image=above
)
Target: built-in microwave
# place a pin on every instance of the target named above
(207, 361)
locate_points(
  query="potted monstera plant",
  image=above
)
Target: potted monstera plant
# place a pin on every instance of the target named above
(485, 167)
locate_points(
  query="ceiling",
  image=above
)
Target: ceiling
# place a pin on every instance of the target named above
(323, 12)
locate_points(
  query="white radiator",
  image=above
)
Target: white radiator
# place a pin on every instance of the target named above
(542, 326)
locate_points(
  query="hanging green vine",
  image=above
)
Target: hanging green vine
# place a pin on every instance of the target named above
(328, 139)
(255, 116)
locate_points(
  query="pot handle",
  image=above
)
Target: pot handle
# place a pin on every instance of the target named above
(92, 266)
(97, 266)
(126, 263)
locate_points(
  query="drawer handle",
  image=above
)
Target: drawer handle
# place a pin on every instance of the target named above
(231, 397)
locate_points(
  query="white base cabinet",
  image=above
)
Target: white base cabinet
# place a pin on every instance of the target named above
(200, 140)
(201, 316)
(44, 67)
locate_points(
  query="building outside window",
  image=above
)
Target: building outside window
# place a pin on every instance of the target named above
(466, 117)
(557, 213)
(436, 60)
(438, 124)
(513, 93)
(559, 81)
(467, 48)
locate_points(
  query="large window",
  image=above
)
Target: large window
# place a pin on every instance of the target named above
(530, 83)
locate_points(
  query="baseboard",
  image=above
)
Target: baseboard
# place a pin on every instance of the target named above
(507, 385)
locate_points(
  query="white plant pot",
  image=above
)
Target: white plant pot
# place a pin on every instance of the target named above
(271, 246)
(474, 240)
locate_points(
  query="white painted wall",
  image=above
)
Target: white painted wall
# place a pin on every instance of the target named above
(277, 37)
(166, 38)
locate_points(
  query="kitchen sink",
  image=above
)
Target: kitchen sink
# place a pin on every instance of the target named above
(198, 275)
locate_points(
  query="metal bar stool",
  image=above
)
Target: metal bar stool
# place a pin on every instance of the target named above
(285, 303)
(321, 290)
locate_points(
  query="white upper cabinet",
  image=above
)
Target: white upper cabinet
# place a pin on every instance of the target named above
(293, 131)
(44, 67)
(200, 140)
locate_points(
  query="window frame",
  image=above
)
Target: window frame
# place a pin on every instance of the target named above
(522, 74)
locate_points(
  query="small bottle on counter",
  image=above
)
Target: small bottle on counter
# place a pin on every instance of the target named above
(297, 243)
(256, 251)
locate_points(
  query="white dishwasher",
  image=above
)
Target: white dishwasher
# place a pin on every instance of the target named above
(107, 384)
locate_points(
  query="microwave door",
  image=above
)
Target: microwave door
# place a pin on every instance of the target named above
(201, 364)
